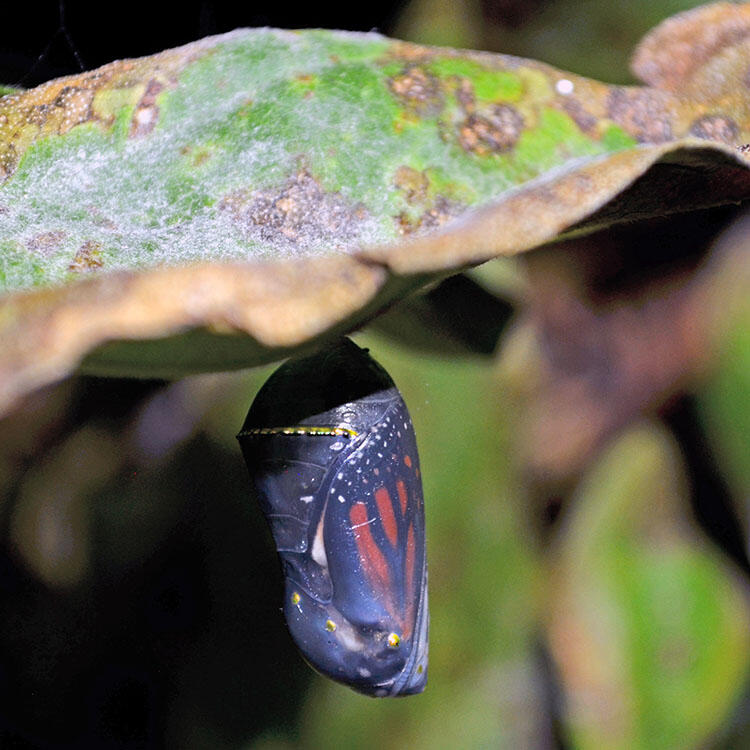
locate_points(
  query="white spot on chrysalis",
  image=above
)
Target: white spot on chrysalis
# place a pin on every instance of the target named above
(318, 552)
(364, 523)
(306, 498)
(564, 87)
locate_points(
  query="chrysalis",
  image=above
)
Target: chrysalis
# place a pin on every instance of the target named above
(331, 451)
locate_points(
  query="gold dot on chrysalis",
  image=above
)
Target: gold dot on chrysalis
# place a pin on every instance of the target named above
(394, 640)
(296, 598)
(420, 669)
(330, 626)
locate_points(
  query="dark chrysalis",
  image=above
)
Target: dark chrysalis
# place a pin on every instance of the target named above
(331, 450)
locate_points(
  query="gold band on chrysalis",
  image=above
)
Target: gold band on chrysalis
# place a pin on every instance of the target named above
(301, 430)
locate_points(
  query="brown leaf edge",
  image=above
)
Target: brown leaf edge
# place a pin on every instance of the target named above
(671, 55)
(174, 321)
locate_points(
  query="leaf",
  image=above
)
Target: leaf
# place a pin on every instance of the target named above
(726, 411)
(723, 396)
(694, 49)
(648, 625)
(624, 321)
(219, 204)
(458, 316)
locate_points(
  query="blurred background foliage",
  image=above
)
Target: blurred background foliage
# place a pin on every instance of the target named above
(582, 416)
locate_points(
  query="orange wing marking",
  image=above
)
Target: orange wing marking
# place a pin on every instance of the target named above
(402, 496)
(387, 517)
(374, 563)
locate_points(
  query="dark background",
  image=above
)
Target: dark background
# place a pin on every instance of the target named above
(35, 47)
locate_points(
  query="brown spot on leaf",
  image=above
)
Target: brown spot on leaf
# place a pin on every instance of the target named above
(715, 128)
(641, 113)
(75, 105)
(428, 211)
(56, 107)
(147, 112)
(100, 219)
(576, 109)
(412, 183)
(46, 242)
(410, 52)
(8, 160)
(493, 133)
(37, 115)
(197, 156)
(88, 258)
(418, 90)
(465, 95)
(300, 214)
(440, 212)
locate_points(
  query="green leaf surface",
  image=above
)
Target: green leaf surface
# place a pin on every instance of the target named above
(726, 408)
(269, 144)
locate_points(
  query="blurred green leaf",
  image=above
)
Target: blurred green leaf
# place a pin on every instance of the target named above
(649, 625)
(574, 34)
(725, 405)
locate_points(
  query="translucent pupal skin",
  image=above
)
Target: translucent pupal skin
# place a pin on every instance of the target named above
(332, 454)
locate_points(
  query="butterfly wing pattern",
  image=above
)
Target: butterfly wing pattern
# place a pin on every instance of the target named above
(331, 450)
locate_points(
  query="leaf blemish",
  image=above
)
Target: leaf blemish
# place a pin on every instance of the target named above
(45, 243)
(147, 112)
(641, 114)
(412, 183)
(88, 258)
(496, 132)
(432, 211)
(715, 128)
(418, 90)
(299, 215)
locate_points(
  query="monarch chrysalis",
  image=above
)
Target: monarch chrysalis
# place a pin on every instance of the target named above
(331, 451)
